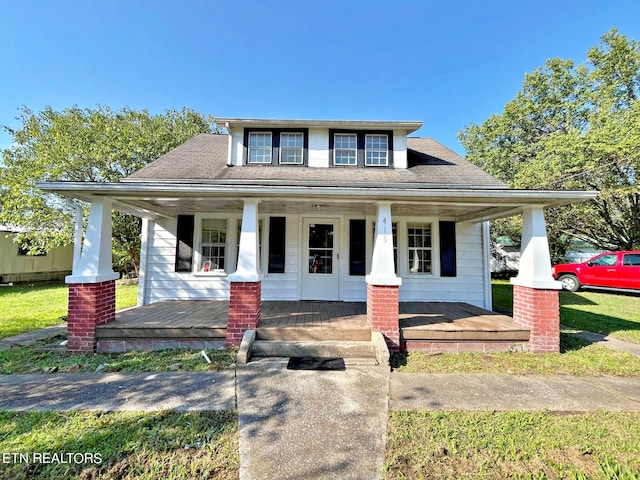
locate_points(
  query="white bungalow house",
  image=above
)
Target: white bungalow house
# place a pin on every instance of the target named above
(289, 210)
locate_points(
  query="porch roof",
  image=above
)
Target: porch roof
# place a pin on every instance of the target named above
(154, 200)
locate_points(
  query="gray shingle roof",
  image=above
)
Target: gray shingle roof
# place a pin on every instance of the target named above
(203, 160)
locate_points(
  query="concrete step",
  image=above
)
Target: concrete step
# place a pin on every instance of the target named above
(312, 334)
(361, 350)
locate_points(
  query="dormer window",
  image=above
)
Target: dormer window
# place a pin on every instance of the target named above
(291, 148)
(260, 147)
(277, 146)
(376, 150)
(345, 149)
(365, 148)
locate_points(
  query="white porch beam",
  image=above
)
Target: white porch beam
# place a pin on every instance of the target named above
(248, 259)
(535, 260)
(94, 265)
(383, 270)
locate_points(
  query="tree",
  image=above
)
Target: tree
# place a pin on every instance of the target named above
(573, 127)
(82, 145)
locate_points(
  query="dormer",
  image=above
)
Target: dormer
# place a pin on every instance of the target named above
(318, 143)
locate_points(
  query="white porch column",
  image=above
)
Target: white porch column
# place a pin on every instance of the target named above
(383, 270)
(248, 256)
(92, 288)
(383, 296)
(535, 260)
(245, 285)
(94, 264)
(535, 292)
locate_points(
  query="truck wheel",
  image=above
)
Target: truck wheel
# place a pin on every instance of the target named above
(569, 282)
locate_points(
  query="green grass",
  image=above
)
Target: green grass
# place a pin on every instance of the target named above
(610, 313)
(519, 445)
(577, 357)
(34, 358)
(168, 445)
(28, 308)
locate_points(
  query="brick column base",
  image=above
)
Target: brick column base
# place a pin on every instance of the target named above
(383, 313)
(244, 310)
(538, 310)
(90, 305)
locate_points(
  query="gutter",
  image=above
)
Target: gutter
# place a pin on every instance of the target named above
(373, 191)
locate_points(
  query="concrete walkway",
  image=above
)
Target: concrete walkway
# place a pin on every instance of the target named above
(119, 391)
(34, 335)
(607, 341)
(311, 424)
(414, 391)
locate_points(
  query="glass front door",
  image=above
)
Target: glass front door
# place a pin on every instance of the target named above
(320, 260)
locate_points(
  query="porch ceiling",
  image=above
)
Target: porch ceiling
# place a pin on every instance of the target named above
(462, 205)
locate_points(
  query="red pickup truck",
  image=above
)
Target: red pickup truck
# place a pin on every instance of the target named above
(607, 270)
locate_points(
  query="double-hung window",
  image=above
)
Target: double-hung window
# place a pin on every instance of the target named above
(420, 248)
(213, 245)
(345, 149)
(259, 147)
(376, 150)
(291, 148)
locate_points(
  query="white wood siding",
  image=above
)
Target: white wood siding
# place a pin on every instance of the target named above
(163, 283)
(283, 286)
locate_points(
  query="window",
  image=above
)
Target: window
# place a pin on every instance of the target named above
(376, 150)
(277, 244)
(213, 245)
(362, 148)
(291, 148)
(260, 147)
(345, 149)
(606, 260)
(419, 236)
(631, 259)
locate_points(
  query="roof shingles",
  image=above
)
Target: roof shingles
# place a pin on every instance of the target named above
(203, 158)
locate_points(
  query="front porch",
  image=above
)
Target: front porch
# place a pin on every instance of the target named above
(435, 326)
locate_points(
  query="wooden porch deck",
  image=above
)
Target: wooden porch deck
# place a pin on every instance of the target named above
(207, 320)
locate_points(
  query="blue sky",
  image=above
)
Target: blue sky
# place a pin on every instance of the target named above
(447, 63)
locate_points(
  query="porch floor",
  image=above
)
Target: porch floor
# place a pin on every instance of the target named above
(207, 319)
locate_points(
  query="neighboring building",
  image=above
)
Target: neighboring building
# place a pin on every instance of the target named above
(313, 210)
(17, 266)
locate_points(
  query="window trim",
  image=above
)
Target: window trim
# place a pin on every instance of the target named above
(361, 147)
(266, 148)
(367, 150)
(275, 146)
(281, 148)
(229, 254)
(430, 248)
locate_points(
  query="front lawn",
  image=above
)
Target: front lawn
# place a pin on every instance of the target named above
(522, 445)
(27, 308)
(610, 313)
(36, 358)
(116, 445)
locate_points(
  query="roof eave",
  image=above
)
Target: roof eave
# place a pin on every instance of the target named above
(409, 126)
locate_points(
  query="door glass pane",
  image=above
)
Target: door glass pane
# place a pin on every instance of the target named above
(320, 235)
(320, 261)
(320, 248)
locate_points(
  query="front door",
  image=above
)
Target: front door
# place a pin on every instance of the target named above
(320, 275)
